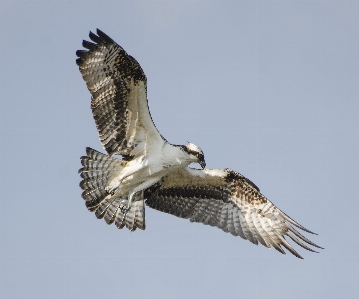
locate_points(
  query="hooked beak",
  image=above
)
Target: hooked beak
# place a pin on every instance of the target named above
(202, 163)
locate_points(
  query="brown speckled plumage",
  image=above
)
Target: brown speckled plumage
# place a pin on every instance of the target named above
(216, 197)
(117, 84)
(230, 202)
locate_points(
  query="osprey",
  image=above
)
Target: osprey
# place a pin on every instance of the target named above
(154, 172)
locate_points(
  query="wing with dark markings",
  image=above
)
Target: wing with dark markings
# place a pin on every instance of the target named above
(117, 84)
(229, 201)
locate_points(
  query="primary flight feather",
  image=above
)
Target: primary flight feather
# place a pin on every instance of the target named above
(155, 172)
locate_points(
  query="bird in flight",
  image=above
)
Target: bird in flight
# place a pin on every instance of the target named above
(153, 171)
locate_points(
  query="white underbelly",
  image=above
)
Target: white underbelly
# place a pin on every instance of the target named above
(144, 174)
(145, 169)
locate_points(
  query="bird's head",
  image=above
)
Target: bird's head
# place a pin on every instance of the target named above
(195, 153)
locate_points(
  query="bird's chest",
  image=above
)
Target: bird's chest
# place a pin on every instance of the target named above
(156, 165)
(161, 166)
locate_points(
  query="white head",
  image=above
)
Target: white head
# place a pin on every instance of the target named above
(196, 153)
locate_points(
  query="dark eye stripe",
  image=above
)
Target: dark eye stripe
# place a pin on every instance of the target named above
(200, 157)
(197, 154)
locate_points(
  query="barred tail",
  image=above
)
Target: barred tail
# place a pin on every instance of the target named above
(98, 169)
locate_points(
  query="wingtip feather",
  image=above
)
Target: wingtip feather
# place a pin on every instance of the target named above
(286, 217)
(82, 53)
(88, 45)
(79, 61)
(95, 38)
(299, 235)
(300, 243)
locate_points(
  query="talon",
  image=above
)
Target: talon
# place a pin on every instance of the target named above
(125, 210)
(124, 207)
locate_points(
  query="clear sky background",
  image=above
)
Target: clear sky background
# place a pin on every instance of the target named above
(267, 88)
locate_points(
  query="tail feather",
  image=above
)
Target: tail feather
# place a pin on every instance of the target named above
(98, 169)
(130, 219)
(103, 206)
(94, 194)
(112, 210)
(140, 214)
(134, 218)
(93, 183)
(120, 219)
(86, 174)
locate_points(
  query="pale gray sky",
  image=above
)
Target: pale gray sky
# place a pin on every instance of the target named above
(268, 88)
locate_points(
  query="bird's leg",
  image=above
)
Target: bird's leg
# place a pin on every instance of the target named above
(141, 187)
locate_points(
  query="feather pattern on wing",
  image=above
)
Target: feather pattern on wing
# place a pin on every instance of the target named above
(226, 199)
(119, 96)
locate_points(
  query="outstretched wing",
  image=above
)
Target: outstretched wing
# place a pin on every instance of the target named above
(117, 84)
(226, 199)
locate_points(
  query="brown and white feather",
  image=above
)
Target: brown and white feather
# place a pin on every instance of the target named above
(157, 171)
(99, 169)
(226, 199)
(118, 87)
